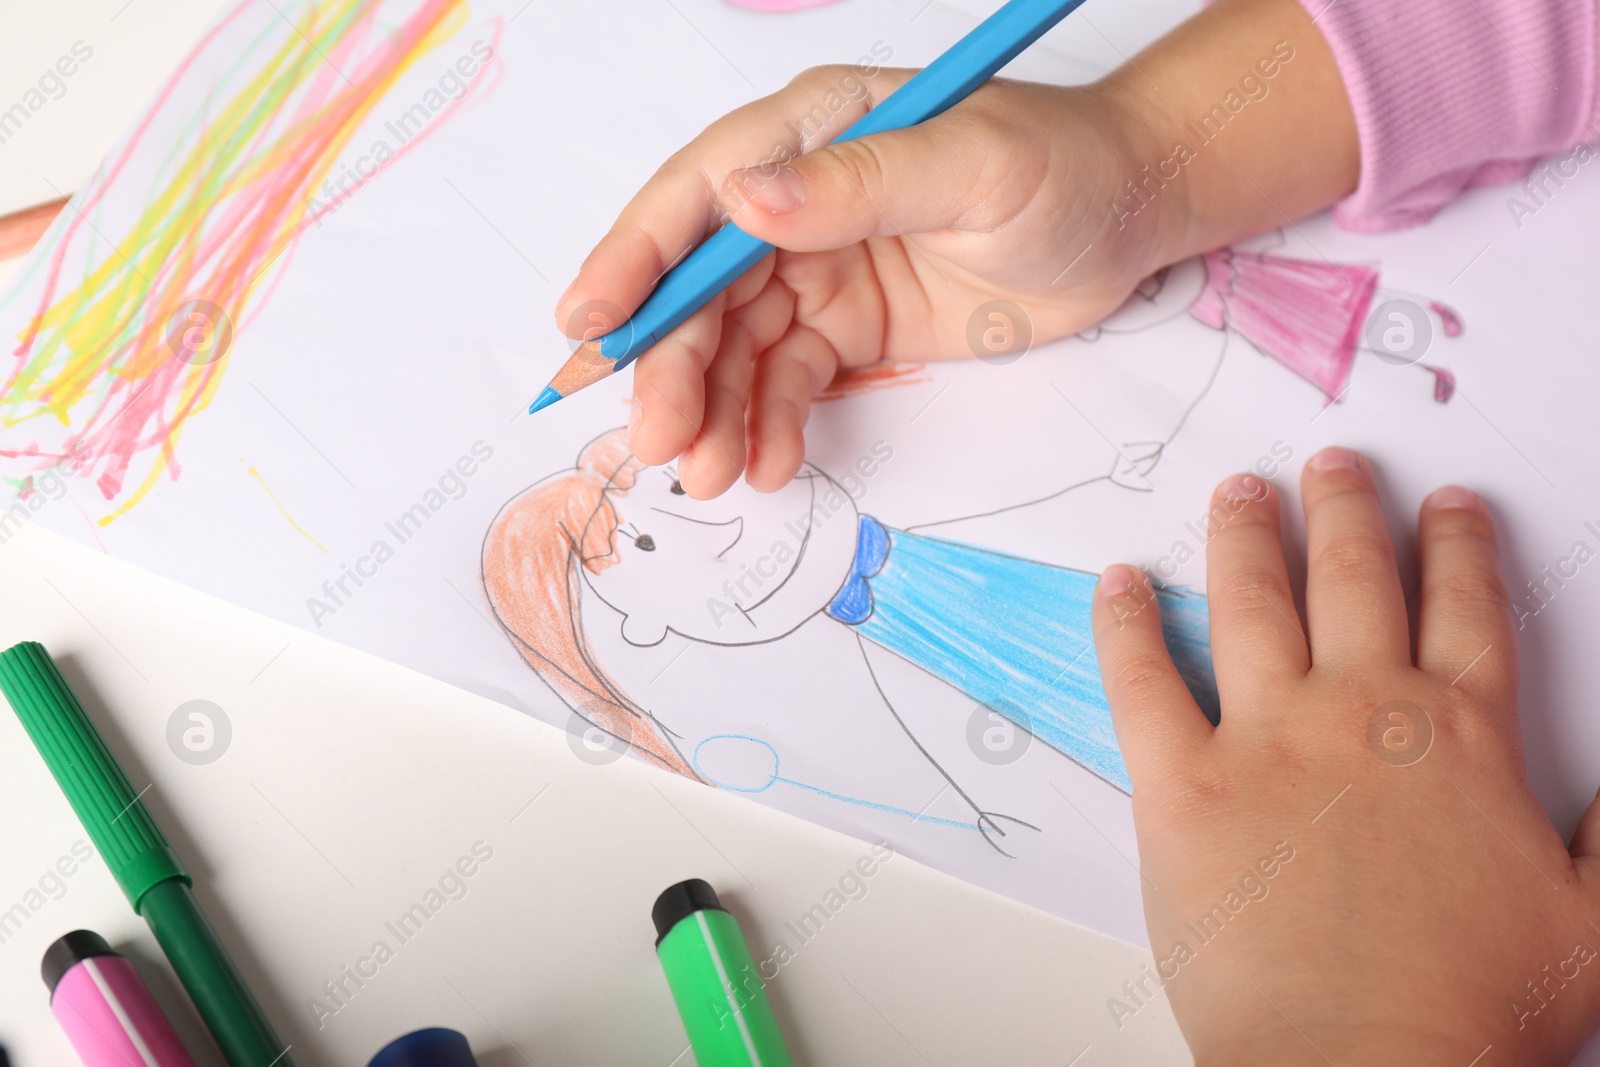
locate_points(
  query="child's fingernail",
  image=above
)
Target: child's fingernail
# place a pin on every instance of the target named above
(635, 416)
(1335, 458)
(776, 190)
(1451, 496)
(1242, 488)
(1117, 580)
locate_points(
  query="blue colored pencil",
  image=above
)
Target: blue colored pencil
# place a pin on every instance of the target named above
(730, 251)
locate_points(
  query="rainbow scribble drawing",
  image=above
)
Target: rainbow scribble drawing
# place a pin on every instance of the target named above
(130, 337)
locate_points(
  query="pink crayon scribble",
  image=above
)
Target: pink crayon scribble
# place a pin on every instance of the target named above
(105, 372)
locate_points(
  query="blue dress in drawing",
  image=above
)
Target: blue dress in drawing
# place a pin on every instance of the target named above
(1010, 633)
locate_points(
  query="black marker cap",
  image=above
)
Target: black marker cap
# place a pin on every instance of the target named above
(69, 950)
(680, 901)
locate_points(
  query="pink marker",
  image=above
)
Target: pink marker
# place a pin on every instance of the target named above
(108, 1014)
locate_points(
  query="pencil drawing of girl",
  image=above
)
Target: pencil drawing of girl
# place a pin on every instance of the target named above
(1010, 633)
(748, 568)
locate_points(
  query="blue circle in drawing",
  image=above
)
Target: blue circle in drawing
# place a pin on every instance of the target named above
(772, 753)
(772, 778)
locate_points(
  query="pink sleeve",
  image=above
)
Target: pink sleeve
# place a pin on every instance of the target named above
(1454, 94)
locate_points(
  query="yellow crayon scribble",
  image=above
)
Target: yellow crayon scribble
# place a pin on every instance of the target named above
(283, 510)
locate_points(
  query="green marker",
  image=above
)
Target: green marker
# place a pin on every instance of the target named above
(138, 854)
(720, 994)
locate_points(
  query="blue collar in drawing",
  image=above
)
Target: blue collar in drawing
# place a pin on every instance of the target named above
(853, 603)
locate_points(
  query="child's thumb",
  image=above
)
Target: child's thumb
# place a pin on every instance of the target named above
(900, 182)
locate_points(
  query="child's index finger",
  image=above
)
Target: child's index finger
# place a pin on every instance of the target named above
(664, 221)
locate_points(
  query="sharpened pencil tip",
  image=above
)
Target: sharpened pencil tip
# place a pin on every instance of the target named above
(546, 398)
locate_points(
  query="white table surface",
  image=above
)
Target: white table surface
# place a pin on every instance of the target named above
(350, 785)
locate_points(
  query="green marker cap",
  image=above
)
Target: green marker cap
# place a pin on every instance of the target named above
(720, 993)
(122, 830)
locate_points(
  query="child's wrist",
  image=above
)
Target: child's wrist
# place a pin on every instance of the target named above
(1150, 193)
(1211, 172)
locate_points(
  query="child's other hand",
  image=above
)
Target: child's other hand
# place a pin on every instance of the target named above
(1359, 827)
(889, 245)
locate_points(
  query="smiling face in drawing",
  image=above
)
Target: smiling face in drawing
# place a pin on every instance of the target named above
(743, 568)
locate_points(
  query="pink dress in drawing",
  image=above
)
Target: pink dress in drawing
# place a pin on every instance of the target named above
(1308, 316)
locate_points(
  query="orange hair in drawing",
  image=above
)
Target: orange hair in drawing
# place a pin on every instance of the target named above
(531, 561)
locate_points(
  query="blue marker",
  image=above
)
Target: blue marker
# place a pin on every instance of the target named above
(715, 265)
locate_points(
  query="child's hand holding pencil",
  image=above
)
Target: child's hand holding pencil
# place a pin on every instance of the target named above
(889, 244)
